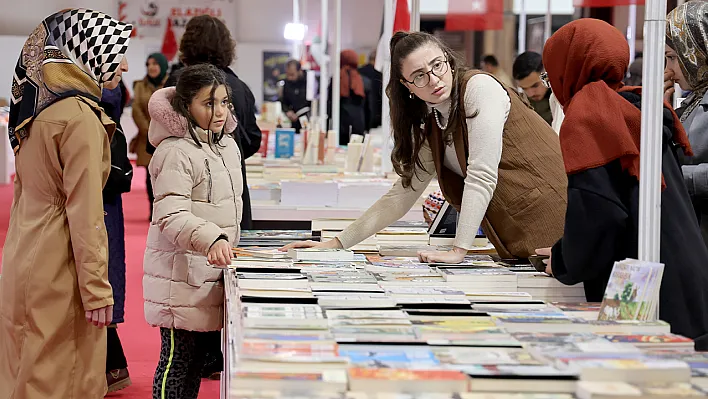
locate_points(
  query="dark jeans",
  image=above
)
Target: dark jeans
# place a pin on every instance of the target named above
(115, 359)
(179, 371)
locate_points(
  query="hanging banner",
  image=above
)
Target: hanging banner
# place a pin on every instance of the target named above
(165, 20)
(606, 3)
(476, 15)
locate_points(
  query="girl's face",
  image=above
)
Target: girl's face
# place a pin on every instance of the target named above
(672, 65)
(427, 74)
(210, 112)
(153, 68)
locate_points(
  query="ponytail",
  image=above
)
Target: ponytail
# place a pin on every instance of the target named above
(396, 38)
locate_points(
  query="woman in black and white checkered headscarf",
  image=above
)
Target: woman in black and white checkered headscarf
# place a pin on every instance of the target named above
(55, 297)
(72, 52)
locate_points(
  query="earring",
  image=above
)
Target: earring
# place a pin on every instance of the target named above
(453, 70)
(411, 95)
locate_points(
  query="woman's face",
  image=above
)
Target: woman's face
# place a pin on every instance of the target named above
(672, 66)
(123, 67)
(427, 66)
(153, 68)
(210, 113)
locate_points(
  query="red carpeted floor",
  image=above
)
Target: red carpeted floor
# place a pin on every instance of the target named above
(140, 341)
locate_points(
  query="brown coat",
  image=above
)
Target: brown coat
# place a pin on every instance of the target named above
(55, 258)
(527, 210)
(143, 90)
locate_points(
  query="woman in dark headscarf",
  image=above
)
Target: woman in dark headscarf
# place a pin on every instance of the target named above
(352, 117)
(55, 298)
(586, 61)
(154, 80)
(687, 65)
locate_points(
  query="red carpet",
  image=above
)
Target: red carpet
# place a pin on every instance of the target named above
(140, 341)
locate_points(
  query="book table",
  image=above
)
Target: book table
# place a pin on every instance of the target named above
(393, 328)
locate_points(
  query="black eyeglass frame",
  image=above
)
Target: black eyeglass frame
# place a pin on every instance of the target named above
(431, 71)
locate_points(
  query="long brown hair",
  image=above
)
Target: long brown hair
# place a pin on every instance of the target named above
(408, 114)
(192, 80)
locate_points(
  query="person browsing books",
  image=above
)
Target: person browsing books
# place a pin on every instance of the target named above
(586, 61)
(55, 295)
(196, 172)
(497, 161)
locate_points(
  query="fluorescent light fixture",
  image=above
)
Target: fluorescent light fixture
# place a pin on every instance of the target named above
(295, 31)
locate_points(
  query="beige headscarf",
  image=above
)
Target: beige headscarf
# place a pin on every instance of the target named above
(686, 30)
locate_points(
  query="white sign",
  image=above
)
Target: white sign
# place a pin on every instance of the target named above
(153, 18)
(533, 7)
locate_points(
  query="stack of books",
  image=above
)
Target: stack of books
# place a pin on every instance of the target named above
(546, 288)
(273, 238)
(383, 327)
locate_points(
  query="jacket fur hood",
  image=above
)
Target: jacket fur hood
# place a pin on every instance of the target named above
(166, 122)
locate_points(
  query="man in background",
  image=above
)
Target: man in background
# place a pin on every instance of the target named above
(375, 99)
(527, 71)
(490, 64)
(294, 99)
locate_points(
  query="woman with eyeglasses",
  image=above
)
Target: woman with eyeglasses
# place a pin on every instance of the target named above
(496, 160)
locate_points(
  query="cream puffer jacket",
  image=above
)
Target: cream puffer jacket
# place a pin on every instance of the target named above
(197, 200)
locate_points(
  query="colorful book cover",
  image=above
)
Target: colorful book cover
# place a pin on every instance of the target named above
(391, 358)
(263, 150)
(456, 357)
(456, 323)
(284, 143)
(629, 291)
(649, 339)
(288, 349)
(276, 234)
(407, 375)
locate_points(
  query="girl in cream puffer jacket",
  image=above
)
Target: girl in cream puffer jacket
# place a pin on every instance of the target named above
(196, 176)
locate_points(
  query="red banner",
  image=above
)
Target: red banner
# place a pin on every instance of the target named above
(606, 3)
(475, 15)
(402, 16)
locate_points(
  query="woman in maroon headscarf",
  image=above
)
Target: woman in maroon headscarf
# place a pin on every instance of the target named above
(352, 94)
(586, 61)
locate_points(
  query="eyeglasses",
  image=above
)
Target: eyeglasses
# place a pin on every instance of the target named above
(422, 79)
(544, 80)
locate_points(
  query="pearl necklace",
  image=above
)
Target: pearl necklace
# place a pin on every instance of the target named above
(437, 119)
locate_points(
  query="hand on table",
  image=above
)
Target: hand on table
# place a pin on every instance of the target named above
(546, 252)
(220, 253)
(331, 244)
(456, 255)
(100, 317)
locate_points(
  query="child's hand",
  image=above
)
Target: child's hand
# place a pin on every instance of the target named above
(220, 253)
